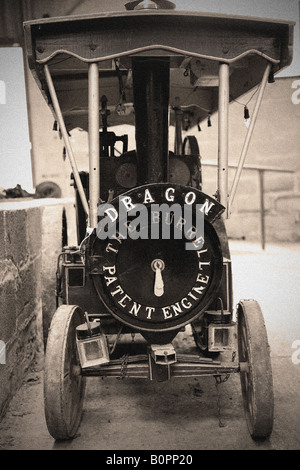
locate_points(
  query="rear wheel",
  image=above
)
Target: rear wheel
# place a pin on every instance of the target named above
(64, 386)
(256, 376)
(48, 189)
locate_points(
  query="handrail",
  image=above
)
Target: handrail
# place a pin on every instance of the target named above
(261, 171)
(249, 167)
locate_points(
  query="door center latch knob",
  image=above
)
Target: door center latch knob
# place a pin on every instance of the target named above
(158, 266)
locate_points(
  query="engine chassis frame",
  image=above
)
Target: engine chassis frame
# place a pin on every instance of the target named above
(141, 364)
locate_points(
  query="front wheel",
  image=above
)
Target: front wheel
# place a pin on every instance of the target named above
(64, 386)
(256, 372)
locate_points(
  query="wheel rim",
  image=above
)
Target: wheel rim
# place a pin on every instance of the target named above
(73, 382)
(64, 386)
(256, 381)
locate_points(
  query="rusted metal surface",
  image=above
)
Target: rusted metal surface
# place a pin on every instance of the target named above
(222, 37)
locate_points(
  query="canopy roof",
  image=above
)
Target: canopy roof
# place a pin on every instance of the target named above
(194, 42)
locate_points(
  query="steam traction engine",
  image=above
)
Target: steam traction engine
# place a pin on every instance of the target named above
(155, 68)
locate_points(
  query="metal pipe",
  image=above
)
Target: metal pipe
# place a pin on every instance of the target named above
(178, 131)
(151, 82)
(262, 208)
(223, 118)
(65, 136)
(249, 134)
(94, 145)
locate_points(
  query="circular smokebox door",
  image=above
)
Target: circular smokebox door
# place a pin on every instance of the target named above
(161, 283)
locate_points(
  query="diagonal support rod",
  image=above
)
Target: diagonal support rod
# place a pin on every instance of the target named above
(249, 135)
(65, 136)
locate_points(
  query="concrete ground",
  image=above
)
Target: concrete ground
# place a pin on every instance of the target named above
(186, 414)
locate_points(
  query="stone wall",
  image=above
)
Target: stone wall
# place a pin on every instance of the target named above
(31, 239)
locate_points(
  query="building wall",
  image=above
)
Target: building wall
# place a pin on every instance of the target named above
(275, 143)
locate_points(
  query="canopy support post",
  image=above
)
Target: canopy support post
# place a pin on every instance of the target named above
(65, 136)
(223, 118)
(94, 145)
(249, 134)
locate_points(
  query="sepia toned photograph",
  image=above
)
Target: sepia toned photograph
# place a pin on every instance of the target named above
(150, 227)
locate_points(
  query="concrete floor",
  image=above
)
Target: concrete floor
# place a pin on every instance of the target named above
(190, 414)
